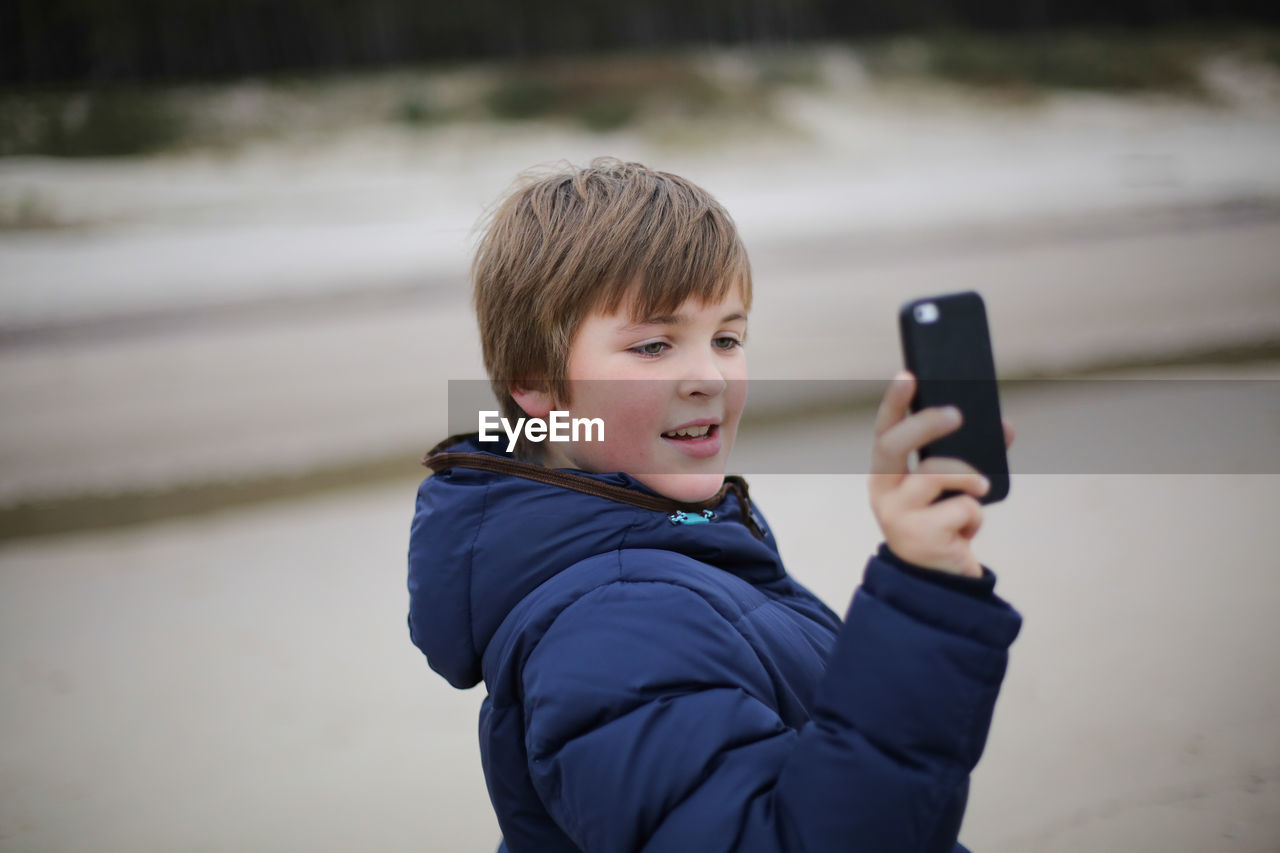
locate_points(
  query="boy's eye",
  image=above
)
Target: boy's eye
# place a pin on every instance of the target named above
(727, 342)
(651, 348)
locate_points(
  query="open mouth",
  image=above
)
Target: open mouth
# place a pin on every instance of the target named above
(693, 433)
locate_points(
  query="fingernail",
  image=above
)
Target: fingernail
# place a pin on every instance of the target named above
(986, 485)
(952, 414)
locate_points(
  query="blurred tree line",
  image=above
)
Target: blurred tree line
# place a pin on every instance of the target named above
(108, 41)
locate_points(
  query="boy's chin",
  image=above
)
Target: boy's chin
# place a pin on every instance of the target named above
(685, 488)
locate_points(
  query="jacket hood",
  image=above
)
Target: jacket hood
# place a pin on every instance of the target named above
(489, 529)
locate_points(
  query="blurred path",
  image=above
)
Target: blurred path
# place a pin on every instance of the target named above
(287, 391)
(380, 207)
(244, 680)
(296, 307)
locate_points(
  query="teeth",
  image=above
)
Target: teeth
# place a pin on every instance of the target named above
(690, 432)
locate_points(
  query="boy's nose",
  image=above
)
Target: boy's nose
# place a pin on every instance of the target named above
(704, 378)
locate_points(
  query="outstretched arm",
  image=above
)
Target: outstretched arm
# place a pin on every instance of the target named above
(651, 721)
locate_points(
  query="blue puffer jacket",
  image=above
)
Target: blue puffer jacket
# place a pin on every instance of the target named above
(658, 682)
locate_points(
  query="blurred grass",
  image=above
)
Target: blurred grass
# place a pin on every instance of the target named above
(109, 123)
(608, 93)
(27, 209)
(1091, 62)
(1113, 62)
(679, 90)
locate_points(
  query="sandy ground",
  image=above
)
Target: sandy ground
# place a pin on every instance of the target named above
(245, 680)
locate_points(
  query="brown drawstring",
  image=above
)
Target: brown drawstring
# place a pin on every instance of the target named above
(439, 461)
(739, 487)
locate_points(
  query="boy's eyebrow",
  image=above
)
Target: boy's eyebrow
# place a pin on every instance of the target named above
(675, 320)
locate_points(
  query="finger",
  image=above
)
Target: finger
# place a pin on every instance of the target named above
(887, 468)
(1008, 433)
(894, 447)
(974, 523)
(919, 490)
(896, 401)
(946, 465)
(961, 513)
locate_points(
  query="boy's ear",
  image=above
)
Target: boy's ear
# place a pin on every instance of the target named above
(536, 404)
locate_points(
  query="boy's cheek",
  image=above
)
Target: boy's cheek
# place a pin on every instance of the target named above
(629, 413)
(628, 445)
(737, 395)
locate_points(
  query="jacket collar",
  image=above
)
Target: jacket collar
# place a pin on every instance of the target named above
(439, 459)
(489, 529)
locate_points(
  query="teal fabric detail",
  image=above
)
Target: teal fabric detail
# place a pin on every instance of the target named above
(682, 517)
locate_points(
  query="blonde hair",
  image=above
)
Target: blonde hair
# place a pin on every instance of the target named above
(563, 245)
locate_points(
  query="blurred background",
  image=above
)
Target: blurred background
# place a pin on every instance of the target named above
(234, 241)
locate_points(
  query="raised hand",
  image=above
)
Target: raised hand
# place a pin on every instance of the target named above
(932, 535)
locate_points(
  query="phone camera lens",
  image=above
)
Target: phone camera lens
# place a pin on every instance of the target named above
(926, 312)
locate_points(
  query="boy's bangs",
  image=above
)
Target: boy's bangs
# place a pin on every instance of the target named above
(702, 260)
(662, 291)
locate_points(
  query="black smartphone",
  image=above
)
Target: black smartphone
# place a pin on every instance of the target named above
(947, 345)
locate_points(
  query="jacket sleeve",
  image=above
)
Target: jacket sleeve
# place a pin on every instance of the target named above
(651, 723)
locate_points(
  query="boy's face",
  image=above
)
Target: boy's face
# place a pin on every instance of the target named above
(686, 371)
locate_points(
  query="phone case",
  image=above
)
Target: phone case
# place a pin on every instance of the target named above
(948, 348)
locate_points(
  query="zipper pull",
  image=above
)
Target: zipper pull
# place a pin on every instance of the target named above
(682, 517)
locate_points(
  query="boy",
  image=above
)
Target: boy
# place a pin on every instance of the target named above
(655, 678)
